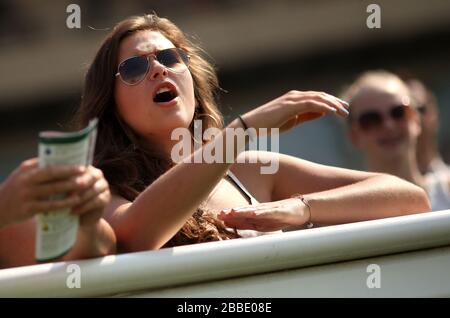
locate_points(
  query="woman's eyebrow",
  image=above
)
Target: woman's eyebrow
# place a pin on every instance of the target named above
(143, 52)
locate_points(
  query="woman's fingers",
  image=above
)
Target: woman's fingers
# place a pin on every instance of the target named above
(37, 206)
(59, 187)
(29, 164)
(52, 173)
(338, 103)
(65, 180)
(321, 101)
(238, 220)
(92, 210)
(317, 102)
(96, 197)
(263, 222)
(269, 216)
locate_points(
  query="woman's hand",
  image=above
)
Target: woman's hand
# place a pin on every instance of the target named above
(293, 108)
(28, 189)
(96, 237)
(93, 198)
(267, 217)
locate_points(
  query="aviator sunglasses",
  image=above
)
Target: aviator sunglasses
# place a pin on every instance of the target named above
(373, 120)
(134, 69)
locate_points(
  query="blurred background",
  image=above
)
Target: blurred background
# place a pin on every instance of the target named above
(261, 48)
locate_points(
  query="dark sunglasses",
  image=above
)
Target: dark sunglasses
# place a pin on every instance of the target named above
(373, 119)
(422, 109)
(134, 69)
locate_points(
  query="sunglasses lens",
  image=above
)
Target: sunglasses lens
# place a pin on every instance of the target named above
(370, 120)
(398, 112)
(422, 109)
(175, 59)
(134, 69)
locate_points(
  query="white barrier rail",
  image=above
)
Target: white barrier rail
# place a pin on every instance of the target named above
(153, 273)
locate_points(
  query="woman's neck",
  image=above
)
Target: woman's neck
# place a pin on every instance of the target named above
(165, 145)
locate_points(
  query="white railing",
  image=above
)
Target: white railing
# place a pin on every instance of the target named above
(233, 267)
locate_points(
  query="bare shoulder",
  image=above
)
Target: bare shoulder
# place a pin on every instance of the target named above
(249, 169)
(291, 175)
(251, 162)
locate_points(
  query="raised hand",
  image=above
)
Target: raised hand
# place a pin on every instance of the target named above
(293, 108)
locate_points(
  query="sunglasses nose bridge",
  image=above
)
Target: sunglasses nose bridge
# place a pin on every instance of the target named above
(389, 122)
(155, 67)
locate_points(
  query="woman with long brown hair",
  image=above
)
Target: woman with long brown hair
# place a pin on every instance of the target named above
(147, 80)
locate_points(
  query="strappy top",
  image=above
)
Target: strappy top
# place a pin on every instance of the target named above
(241, 188)
(251, 200)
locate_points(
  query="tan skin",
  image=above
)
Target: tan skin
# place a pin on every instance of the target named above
(26, 193)
(164, 206)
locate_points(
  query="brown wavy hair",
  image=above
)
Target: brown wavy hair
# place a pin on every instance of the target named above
(128, 164)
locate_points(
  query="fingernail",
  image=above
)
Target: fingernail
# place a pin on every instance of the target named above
(345, 111)
(226, 210)
(344, 102)
(333, 109)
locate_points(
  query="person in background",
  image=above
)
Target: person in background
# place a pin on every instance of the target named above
(385, 125)
(428, 157)
(27, 191)
(436, 172)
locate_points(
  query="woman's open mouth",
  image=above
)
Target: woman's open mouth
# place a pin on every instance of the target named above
(165, 93)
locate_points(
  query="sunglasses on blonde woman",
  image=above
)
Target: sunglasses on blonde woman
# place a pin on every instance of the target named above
(373, 119)
(134, 69)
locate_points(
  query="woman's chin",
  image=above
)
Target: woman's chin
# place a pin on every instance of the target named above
(177, 122)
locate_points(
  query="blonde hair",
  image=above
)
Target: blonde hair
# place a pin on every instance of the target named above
(374, 79)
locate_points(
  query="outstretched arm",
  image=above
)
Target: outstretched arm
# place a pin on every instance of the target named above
(334, 195)
(163, 207)
(340, 195)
